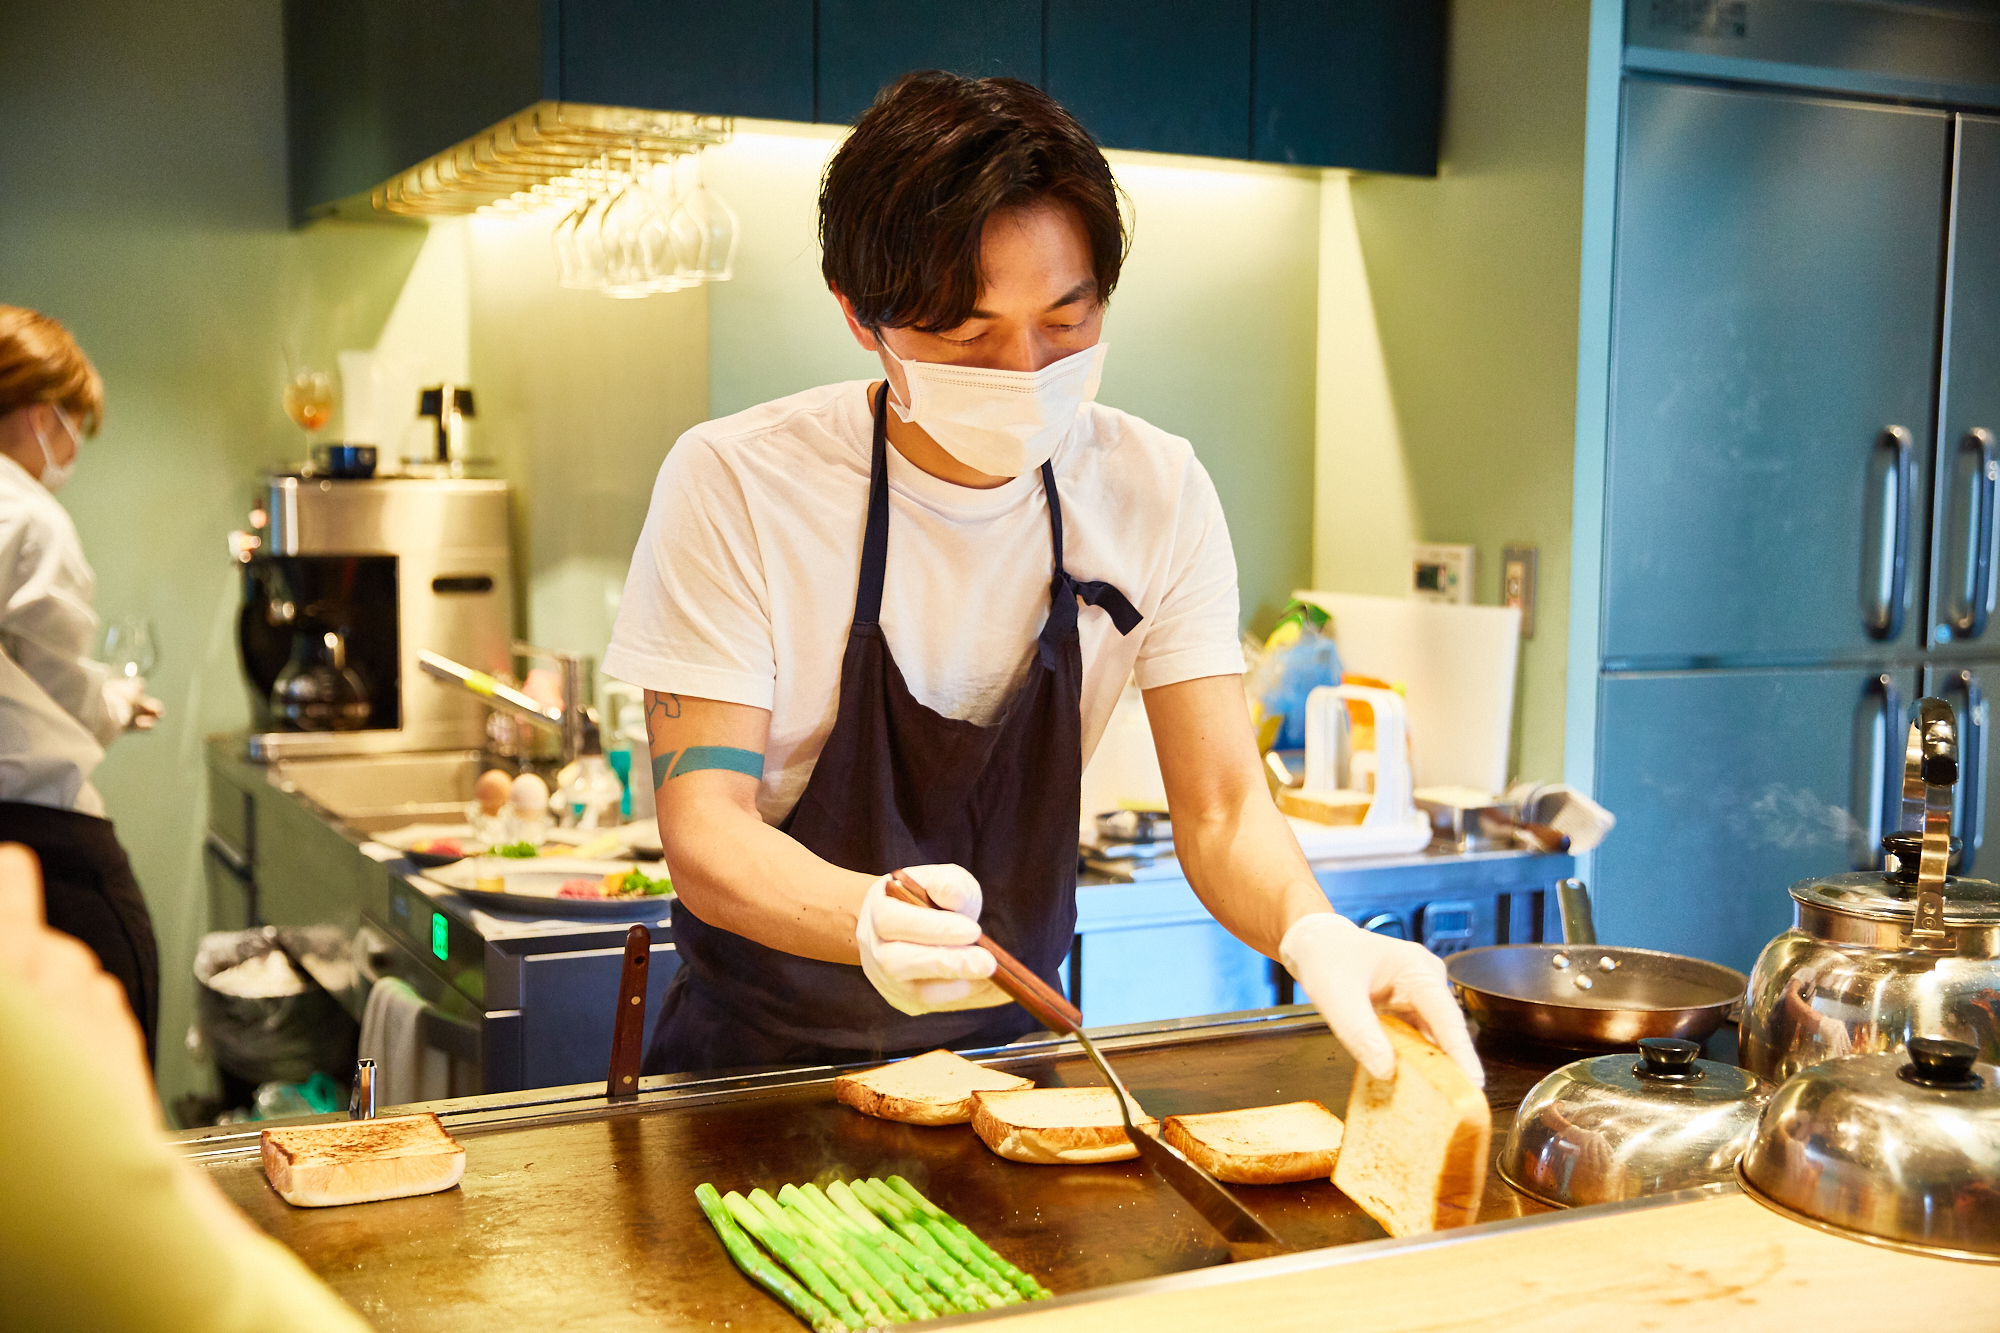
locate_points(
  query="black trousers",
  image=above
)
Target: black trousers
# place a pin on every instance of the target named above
(91, 895)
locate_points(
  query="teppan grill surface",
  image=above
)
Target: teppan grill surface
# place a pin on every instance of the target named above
(576, 1213)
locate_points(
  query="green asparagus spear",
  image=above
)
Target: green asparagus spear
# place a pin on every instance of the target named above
(938, 1275)
(1022, 1282)
(759, 1268)
(812, 1206)
(937, 1240)
(793, 1256)
(869, 1297)
(873, 1236)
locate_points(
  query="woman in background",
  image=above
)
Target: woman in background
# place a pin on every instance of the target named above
(58, 708)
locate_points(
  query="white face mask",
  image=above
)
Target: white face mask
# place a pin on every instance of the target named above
(1000, 422)
(56, 475)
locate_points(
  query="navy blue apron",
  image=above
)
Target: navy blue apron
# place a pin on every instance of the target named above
(899, 784)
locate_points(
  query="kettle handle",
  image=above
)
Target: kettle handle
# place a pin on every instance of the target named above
(1930, 770)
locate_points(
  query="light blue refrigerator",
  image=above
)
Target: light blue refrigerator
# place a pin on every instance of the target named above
(1799, 497)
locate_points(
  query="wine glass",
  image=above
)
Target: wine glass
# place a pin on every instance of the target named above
(309, 399)
(705, 232)
(128, 647)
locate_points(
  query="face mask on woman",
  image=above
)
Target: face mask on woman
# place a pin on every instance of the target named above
(1000, 422)
(56, 475)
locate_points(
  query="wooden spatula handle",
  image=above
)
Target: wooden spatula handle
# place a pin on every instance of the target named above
(1045, 1002)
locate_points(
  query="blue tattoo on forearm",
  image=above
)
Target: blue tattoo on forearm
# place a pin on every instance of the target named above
(699, 758)
(704, 758)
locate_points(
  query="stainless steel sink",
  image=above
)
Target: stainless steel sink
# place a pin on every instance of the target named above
(381, 791)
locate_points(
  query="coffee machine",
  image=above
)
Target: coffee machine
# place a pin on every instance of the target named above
(345, 583)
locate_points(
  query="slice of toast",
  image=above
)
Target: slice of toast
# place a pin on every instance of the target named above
(1262, 1145)
(361, 1161)
(1056, 1126)
(931, 1089)
(1415, 1149)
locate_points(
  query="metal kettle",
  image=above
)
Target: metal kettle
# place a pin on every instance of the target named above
(1875, 959)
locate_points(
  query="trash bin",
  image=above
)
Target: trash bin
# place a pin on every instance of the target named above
(260, 1019)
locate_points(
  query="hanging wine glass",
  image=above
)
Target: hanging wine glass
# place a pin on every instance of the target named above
(589, 232)
(572, 265)
(716, 223)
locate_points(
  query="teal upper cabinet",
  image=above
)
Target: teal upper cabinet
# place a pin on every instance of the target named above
(1179, 82)
(736, 58)
(374, 87)
(1349, 83)
(866, 45)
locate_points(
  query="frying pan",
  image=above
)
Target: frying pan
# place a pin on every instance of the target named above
(1591, 995)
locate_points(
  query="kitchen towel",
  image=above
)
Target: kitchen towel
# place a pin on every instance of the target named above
(406, 1070)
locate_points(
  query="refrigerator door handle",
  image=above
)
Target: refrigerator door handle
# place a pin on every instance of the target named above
(1875, 770)
(1961, 690)
(1970, 599)
(1885, 560)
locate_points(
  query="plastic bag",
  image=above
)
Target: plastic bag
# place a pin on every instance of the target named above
(267, 1038)
(1296, 659)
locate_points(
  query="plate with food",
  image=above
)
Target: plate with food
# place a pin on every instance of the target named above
(560, 886)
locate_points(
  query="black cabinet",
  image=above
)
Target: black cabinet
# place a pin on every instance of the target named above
(1176, 82)
(866, 45)
(739, 58)
(1349, 83)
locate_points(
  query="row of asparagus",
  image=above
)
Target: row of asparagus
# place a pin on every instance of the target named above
(862, 1253)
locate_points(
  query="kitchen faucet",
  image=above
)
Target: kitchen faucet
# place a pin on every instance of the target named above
(575, 721)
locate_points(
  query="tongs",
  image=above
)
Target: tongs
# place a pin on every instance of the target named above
(1247, 1237)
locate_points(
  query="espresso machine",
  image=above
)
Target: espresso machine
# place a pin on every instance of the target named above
(345, 584)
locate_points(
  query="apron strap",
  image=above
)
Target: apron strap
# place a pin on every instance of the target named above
(1064, 590)
(875, 541)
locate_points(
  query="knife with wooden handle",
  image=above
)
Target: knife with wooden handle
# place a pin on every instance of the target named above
(1248, 1238)
(628, 1028)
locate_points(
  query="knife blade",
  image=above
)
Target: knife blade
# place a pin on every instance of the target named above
(1247, 1237)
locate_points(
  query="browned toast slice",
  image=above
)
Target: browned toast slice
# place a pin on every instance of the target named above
(1415, 1148)
(361, 1161)
(1056, 1126)
(931, 1089)
(1261, 1145)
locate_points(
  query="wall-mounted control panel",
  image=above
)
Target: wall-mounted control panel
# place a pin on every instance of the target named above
(1441, 573)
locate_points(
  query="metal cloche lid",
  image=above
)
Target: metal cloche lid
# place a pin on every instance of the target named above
(1901, 1149)
(1618, 1126)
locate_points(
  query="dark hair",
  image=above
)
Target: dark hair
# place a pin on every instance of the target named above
(906, 198)
(41, 363)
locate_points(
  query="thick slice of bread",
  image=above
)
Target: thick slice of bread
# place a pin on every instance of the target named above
(1263, 1145)
(1415, 1149)
(931, 1089)
(1056, 1126)
(1325, 807)
(361, 1161)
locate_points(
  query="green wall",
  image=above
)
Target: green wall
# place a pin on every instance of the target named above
(143, 173)
(1474, 277)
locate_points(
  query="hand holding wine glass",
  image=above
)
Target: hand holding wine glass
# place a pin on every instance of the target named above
(128, 650)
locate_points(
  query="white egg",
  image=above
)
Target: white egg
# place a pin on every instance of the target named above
(530, 796)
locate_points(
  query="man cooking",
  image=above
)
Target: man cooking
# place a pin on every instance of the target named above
(882, 625)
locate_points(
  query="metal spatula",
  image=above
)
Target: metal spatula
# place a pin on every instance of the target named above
(1248, 1238)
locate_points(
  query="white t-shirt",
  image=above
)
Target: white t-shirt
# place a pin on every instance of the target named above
(742, 587)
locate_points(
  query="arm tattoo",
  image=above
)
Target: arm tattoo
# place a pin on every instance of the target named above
(662, 706)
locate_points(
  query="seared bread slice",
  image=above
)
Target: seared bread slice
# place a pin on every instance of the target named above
(1056, 1126)
(931, 1089)
(1263, 1145)
(1414, 1154)
(361, 1161)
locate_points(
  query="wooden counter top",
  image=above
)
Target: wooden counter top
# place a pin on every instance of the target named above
(1719, 1265)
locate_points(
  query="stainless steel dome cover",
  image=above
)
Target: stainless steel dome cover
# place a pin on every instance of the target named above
(1900, 1149)
(1626, 1125)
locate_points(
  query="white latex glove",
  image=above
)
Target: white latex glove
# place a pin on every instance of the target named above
(1349, 973)
(924, 959)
